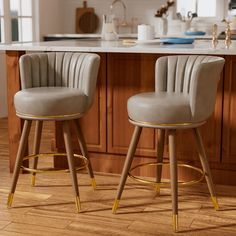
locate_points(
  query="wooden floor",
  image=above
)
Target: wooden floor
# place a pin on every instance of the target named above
(48, 208)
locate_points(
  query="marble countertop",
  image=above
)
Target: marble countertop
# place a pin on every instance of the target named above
(121, 36)
(124, 46)
(82, 36)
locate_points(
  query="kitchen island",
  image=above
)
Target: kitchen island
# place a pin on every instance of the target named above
(127, 68)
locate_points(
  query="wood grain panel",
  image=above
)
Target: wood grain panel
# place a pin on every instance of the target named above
(13, 86)
(128, 74)
(229, 112)
(93, 124)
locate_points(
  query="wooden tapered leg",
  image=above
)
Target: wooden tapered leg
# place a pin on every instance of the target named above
(19, 159)
(127, 165)
(70, 157)
(84, 150)
(206, 168)
(173, 177)
(36, 147)
(160, 150)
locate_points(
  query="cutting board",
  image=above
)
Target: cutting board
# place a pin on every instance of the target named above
(86, 19)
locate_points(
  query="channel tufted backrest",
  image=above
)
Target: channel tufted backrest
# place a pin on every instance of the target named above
(60, 69)
(194, 76)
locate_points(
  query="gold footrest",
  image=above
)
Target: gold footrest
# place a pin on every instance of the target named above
(158, 184)
(43, 170)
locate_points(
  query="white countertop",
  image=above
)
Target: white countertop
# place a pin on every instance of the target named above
(82, 36)
(121, 36)
(123, 46)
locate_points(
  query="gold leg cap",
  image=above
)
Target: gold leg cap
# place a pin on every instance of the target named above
(115, 206)
(93, 182)
(215, 203)
(175, 222)
(77, 203)
(33, 178)
(10, 199)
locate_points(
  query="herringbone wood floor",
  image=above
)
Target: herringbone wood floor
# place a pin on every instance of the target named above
(48, 208)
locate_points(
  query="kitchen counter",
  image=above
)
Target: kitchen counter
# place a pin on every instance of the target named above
(127, 68)
(124, 46)
(55, 37)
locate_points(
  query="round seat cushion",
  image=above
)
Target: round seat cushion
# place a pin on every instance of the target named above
(50, 102)
(160, 108)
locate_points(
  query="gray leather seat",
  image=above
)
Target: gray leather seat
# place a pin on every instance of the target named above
(58, 87)
(184, 97)
(51, 102)
(159, 108)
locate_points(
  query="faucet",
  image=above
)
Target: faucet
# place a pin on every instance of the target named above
(124, 22)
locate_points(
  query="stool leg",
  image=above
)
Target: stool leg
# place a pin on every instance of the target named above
(36, 147)
(160, 150)
(19, 159)
(83, 148)
(127, 165)
(70, 157)
(173, 177)
(206, 168)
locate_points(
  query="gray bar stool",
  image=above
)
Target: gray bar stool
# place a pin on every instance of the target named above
(184, 97)
(55, 87)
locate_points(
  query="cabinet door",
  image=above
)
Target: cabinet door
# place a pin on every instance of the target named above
(128, 74)
(229, 112)
(93, 124)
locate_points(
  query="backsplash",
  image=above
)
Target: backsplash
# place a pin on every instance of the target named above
(137, 12)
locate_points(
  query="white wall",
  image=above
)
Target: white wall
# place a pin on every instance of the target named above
(50, 17)
(144, 10)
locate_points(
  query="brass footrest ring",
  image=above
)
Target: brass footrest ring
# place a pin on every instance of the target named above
(49, 170)
(156, 184)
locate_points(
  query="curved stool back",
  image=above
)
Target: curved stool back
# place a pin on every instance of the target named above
(194, 76)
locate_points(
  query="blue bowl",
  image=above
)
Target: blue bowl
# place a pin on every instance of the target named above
(176, 40)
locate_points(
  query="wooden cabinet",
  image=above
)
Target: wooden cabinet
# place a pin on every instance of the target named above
(107, 129)
(128, 74)
(14, 123)
(229, 114)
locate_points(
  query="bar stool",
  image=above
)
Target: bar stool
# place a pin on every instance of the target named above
(184, 97)
(55, 87)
